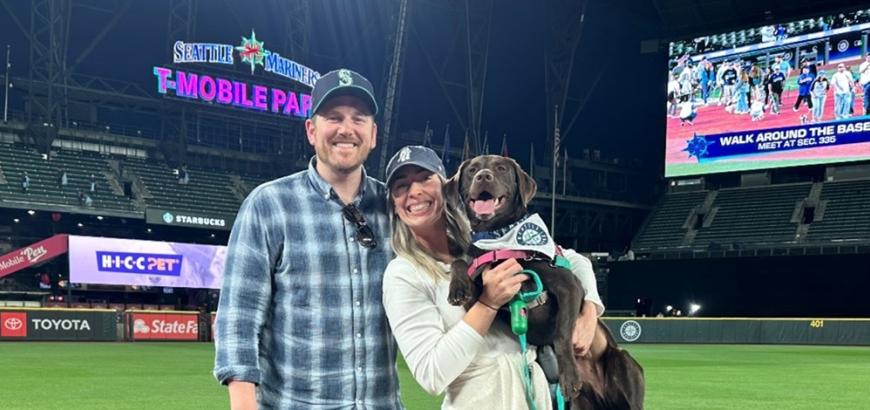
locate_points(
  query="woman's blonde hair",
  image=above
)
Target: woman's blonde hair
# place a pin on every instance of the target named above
(458, 239)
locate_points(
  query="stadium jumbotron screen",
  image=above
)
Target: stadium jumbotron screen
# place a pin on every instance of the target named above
(776, 96)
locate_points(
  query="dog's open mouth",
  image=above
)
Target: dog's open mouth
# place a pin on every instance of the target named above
(485, 205)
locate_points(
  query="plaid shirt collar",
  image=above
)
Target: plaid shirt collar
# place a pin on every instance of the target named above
(324, 189)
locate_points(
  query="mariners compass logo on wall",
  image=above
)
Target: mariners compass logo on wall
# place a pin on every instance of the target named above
(630, 330)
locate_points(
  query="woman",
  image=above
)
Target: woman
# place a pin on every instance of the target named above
(742, 94)
(467, 355)
(819, 92)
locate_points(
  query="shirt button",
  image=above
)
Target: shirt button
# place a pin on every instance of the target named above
(359, 369)
(357, 303)
(350, 239)
(359, 402)
(326, 196)
(355, 270)
(359, 335)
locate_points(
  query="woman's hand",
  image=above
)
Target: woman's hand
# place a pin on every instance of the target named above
(501, 282)
(584, 329)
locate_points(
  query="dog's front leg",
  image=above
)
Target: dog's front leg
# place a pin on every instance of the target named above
(461, 286)
(569, 298)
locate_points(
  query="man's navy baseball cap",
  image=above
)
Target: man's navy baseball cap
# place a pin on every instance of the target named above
(417, 155)
(343, 82)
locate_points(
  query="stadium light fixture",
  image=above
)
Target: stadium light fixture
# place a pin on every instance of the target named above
(669, 308)
(31, 212)
(99, 217)
(212, 235)
(149, 230)
(16, 220)
(694, 308)
(80, 225)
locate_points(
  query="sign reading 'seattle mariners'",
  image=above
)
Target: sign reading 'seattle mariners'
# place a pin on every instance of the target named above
(249, 93)
(189, 219)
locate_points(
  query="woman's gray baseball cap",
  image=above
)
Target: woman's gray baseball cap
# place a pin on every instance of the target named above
(418, 155)
(342, 82)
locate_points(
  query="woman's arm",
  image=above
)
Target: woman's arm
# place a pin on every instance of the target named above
(586, 324)
(435, 354)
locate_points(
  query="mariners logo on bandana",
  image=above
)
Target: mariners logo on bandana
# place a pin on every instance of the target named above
(344, 77)
(531, 235)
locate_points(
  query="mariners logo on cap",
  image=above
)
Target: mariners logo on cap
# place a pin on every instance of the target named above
(404, 154)
(344, 77)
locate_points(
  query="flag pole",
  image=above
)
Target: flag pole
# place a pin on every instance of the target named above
(532, 160)
(553, 181)
(6, 89)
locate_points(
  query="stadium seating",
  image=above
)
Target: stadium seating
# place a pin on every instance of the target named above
(44, 178)
(206, 191)
(759, 217)
(664, 228)
(753, 215)
(845, 216)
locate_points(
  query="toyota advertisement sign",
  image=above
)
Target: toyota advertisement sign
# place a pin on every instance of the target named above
(58, 324)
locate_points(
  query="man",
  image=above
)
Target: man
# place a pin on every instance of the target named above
(864, 79)
(842, 84)
(729, 79)
(775, 86)
(300, 322)
(25, 182)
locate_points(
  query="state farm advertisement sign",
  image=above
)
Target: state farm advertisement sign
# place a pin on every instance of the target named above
(57, 325)
(164, 326)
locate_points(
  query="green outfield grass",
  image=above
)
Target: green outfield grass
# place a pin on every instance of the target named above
(149, 376)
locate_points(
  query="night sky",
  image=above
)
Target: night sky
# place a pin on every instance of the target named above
(622, 115)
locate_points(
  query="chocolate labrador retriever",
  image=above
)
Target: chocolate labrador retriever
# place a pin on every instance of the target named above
(495, 192)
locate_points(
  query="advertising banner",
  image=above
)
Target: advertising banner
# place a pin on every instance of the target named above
(36, 253)
(58, 324)
(189, 219)
(163, 326)
(112, 261)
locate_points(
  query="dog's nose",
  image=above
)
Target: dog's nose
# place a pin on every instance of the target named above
(484, 175)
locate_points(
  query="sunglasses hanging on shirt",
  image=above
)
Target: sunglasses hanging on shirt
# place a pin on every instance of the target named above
(364, 234)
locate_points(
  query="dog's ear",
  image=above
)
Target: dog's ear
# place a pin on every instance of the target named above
(453, 188)
(526, 186)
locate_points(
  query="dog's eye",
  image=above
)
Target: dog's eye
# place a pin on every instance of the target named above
(501, 168)
(472, 170)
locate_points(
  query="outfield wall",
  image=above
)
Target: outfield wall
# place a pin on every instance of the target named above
(804, 331)
(108, 325)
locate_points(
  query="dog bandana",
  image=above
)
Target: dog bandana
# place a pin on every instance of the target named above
(530, 234)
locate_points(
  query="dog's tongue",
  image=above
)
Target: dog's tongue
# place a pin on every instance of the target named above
(482, 207)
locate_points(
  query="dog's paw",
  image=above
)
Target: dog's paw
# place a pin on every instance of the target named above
(570, 383)
(460, 293)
